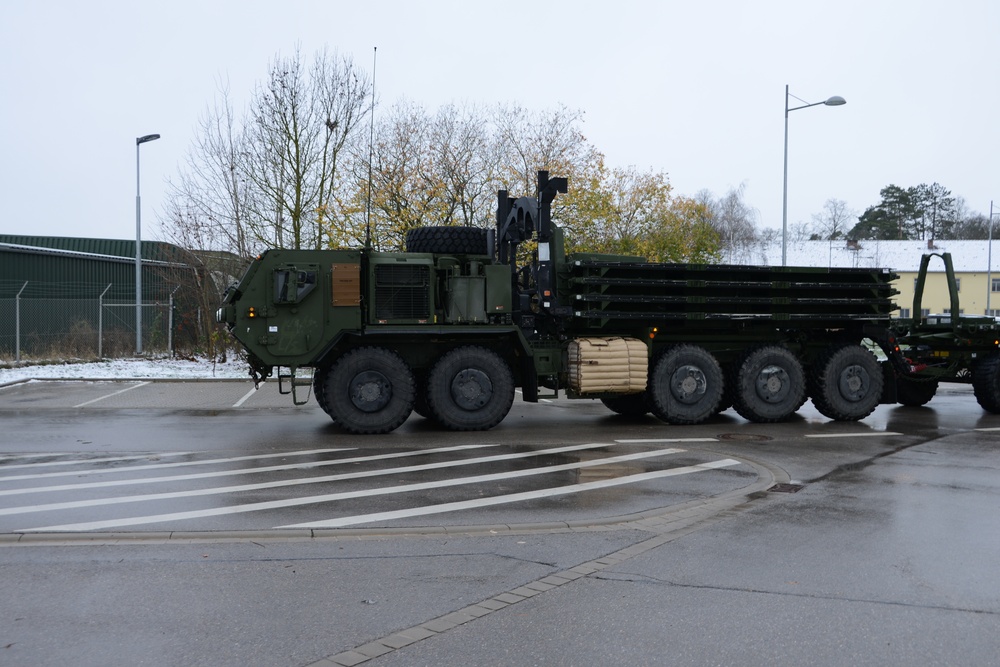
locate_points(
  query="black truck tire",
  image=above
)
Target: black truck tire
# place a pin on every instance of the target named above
(769, 385)
(914, 393)
(319, 389)
(369, 390)
(848, 383)
(686, 385)
(447, 240)
(470, 388)
(627, 405)
(986, 383)
(421, 406)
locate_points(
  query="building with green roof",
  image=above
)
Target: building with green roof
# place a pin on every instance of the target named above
(75, 297)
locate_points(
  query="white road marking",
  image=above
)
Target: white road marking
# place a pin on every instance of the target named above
(246, 396)
(865, 434)
(114, 393)
(312, 464)
(76, 462)
(180, 464)
(331, 497)
(996, 428)
(294, 482)
(510, 498)
(655, 440)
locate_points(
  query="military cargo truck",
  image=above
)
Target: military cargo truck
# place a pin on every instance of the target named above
(453, 326)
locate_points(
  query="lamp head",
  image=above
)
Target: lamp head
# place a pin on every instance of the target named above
(835, 101)
(150, 137)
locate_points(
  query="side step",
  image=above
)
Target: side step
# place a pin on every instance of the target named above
(290, 383)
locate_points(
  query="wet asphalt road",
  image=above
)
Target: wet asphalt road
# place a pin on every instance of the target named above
(886, 554)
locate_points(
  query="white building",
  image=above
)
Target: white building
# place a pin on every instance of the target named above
(979, 286)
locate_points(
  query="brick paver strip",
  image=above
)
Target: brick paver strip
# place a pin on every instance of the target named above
(494, 604)
(325, 662)
(417, 633)
(349, 658)
(538, 586)
(400, 639)
(439, 625)
(458, 618)
(374, 649)
(477, 610)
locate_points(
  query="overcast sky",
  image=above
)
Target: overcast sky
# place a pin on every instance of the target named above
(695, 89)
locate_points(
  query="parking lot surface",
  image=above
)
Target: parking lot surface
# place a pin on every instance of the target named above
(205, 523)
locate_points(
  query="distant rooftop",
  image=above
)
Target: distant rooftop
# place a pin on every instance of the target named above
(967, 256)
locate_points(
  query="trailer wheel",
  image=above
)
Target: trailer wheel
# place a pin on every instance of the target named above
(447, 240)
(914, 393)
(986, 383)
(369, 390)
(769, 385)
(470, 389)
(628, 405)
(848, 383)
(686, 385)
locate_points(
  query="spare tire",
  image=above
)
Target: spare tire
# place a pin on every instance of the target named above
(447, 240)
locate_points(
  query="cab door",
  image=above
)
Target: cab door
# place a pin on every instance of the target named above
(295, 321)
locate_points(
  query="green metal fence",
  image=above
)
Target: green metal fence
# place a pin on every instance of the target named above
(37, 322)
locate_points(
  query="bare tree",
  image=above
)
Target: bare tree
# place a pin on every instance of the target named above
(528, 141)
(834, 221)
(800, 231)
(445, 168)
(206, 204)
(735, 222)
(465, 159)
(270, 178)
(299, 124)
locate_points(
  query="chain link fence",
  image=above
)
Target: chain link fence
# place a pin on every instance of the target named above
(39, 327)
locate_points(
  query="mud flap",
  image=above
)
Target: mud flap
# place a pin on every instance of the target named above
(889, 392)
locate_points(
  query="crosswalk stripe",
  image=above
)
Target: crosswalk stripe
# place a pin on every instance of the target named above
(75, 462)
(309, 500)
(314, 464)
(862, 434)
(179, 464)
(94, 502)
(510, 498)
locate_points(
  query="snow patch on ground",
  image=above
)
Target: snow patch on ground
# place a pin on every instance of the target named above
(140, 368)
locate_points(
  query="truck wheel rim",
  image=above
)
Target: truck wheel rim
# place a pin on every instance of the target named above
(773, 384)
(471, 389)
(854, 383)
(370, 391)
(688, 384)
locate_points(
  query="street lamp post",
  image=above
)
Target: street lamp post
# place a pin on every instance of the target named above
(138, 245)
(834, 101)
(989, 258)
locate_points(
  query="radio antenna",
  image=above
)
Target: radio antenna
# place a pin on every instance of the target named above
(371, 151)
